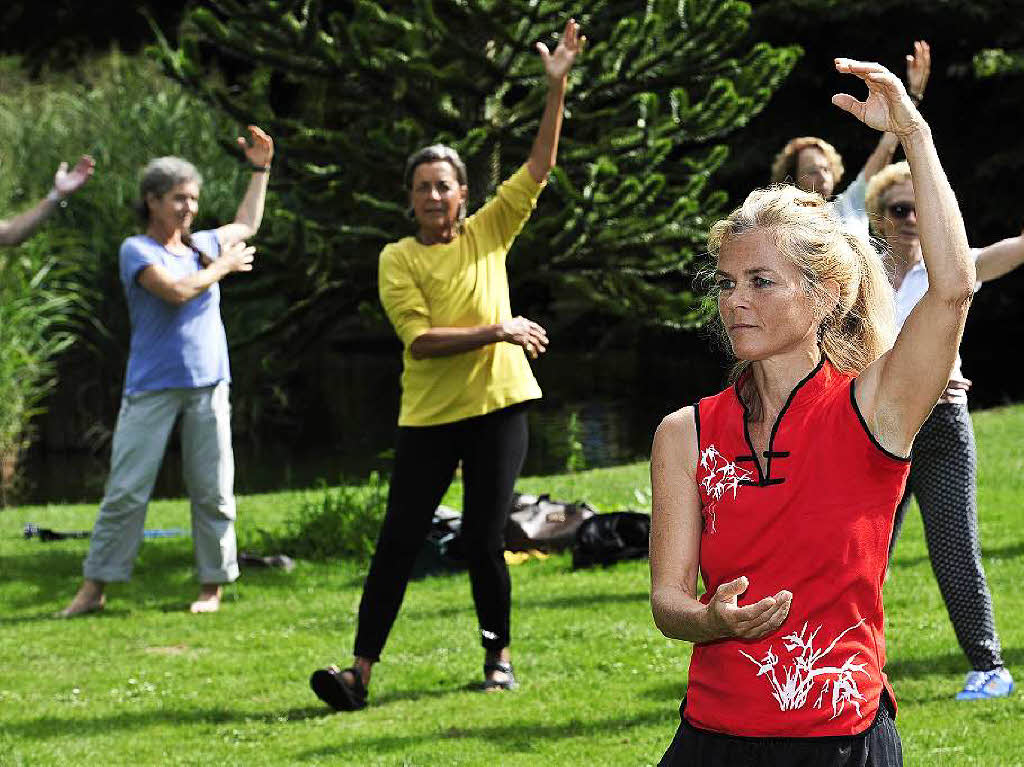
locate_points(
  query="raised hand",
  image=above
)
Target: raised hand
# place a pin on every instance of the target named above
(558, 64)
(750, 621)
(526, 333)
(887, 107)
(259, 150)
(69, 181)
(919, 67)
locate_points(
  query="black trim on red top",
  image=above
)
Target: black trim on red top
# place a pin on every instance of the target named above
(696, 423)
(764, 478)
(864, 425)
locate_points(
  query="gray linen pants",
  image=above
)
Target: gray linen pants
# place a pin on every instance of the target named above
(140, 439)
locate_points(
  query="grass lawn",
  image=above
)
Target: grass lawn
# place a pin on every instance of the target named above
(146, 683)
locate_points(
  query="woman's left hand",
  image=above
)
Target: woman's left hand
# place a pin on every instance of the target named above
(259, 150)
(558, 64)
(66, 181)
(887, 107)
(919, 67)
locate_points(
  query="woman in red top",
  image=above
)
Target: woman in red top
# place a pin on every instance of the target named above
(781, 490)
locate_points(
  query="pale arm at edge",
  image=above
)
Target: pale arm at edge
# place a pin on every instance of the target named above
(676, 523)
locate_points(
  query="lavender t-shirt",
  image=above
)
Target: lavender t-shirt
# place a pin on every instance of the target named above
(172, 346)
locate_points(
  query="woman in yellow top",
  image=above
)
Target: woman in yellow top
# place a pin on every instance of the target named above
(465, 384)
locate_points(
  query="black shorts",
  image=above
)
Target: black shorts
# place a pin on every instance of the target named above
(878, 746)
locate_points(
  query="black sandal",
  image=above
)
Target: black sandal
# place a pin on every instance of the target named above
(509, 683)
(338, 693)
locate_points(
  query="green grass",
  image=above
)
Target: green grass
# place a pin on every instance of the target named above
(146, 683)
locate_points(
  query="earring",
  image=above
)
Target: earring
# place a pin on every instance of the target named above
(410, 213)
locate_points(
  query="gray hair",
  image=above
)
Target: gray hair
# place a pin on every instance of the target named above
(161, 176)
(436, 153)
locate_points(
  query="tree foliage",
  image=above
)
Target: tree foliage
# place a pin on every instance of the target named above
(350, 89)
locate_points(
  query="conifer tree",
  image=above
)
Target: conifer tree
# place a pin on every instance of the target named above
(349, 89)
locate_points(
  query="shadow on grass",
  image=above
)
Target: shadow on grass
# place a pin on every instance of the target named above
(987, 552)
(951, 663)
(55, 573)
(667, 690)
(518, 736)
(547, 603)
(49, 727)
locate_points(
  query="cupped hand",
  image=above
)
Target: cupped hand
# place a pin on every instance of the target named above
(729, 620)
(238, 257)
(69, 181)
(558, 64)
(259, 149)
(526, 333)
(887, 107)
(919, 67)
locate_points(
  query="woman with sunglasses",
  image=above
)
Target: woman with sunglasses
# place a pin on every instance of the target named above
(943, 473)
(780, 491)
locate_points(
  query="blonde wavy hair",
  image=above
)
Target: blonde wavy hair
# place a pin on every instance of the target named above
(896, 173)
(784, 167)
(854, 331)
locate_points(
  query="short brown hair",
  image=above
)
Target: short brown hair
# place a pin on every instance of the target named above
(784, 167)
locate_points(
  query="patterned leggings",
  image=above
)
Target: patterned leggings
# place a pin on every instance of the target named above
(943, 478)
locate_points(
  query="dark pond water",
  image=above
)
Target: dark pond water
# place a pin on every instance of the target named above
(599, 409)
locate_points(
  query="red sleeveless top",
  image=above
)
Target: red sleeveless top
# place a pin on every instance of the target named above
(816, 522)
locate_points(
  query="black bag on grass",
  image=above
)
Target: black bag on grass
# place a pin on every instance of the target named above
(608, 538)
(442, 550)
(537, 522)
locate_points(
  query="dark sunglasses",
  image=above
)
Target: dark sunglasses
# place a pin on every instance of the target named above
(900, 210)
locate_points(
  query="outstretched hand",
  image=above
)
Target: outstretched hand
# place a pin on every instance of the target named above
(919, 67)
(558, 64)
(750, 621)
(887, 107)
(237, 257)
(69, 181)
(259, 150)
(526, 333)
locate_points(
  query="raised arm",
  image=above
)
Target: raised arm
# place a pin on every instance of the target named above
(1000, 258)
(556, 66)
(16, 230)
(259, 151)
(676, 524)
(897, 392)
(919, 67)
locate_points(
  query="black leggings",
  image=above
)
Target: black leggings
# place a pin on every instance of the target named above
(492, 448)
(943, 478)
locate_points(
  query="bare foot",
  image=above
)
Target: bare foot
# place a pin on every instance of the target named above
(209, 599)
(89, 599)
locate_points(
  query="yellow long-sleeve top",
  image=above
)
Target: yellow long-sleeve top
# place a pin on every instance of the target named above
(462, 283)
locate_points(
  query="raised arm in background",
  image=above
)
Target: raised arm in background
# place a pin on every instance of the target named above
(259, 151)
(919, 67)
(1000, 258)
(557, 65)
(896, 393)
(16, 230)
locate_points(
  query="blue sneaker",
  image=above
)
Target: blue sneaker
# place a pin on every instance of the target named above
(982, 685)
